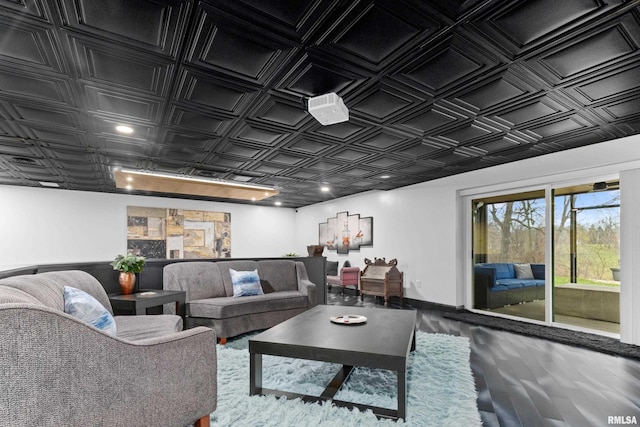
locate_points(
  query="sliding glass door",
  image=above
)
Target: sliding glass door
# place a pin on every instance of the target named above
(586, 287)
(509, 254)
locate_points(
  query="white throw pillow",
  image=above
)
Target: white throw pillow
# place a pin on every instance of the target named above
(523, 271)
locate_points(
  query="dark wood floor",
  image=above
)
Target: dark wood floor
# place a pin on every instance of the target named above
(524, 381)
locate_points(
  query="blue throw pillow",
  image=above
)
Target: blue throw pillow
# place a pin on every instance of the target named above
(245, 283)
(88, 309)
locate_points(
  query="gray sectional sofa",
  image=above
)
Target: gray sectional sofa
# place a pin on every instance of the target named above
(57, 370)
(210, 301)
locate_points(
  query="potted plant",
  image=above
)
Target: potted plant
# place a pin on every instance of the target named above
(128, 265)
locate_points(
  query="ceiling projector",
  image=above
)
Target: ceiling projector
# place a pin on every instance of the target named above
(328, 109)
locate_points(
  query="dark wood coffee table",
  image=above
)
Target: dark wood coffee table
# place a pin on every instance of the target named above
(383, 342)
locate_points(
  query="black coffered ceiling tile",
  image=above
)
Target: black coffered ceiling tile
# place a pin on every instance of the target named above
(293, 18)
(286, 159)
(268, 169)
(67, 157)
(109, 65)
(382, 140)
(28, 44)
(453, 61)
(14, 147)
(520, 25)
(312, 75)
(44, 114)
(281, 113)
(430, 120)
(443, 69)
(365, 184)
(542, 108)
(599, 50)
(342, 131)
(473, 131)
(374, 34)
(227, 162)
(493, 146)
(349, 155)
(454, 9)
(307, 145)
(619, 110)
(613, 83)
(452, 156)
(180, 153)
(121, 105)
(111, 146)
(419, 149)
(242, 150)
(561, 126)
(156, 26)
(290, 11)
(383, 102)
(384, 163)
(498, 92)
(631, 127)
(60, 136)
(35, 8)
(28, 85)
(203, 90)
(358, 171)
(258, 135)
(237, 48)
(303, 174)
(195, 121)
(323, 166)
(192, 140)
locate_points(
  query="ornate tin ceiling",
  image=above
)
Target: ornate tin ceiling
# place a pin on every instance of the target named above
(216, 88)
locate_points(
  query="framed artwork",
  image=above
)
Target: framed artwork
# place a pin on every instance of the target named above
(162, 233)
(346, 232)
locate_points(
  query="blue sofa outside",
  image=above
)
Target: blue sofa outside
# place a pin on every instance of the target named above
(497, 285)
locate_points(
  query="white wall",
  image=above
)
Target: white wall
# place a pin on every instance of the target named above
(44, 226)
(424, 225)
(403, 228)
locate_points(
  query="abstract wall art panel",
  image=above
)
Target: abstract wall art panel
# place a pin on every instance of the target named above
(159, 233)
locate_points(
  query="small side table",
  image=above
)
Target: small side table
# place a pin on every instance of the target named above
(139, 302)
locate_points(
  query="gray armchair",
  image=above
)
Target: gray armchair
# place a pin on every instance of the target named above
(57, 370)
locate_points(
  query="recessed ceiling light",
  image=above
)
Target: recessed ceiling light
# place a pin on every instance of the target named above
(385, 176)
(278, 203)
(324, 189)
(124, 129)
(49, 184)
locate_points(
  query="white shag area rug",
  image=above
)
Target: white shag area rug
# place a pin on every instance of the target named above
(441, 390)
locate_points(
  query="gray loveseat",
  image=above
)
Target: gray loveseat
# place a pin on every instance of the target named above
(210, 301)
(57, 370)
